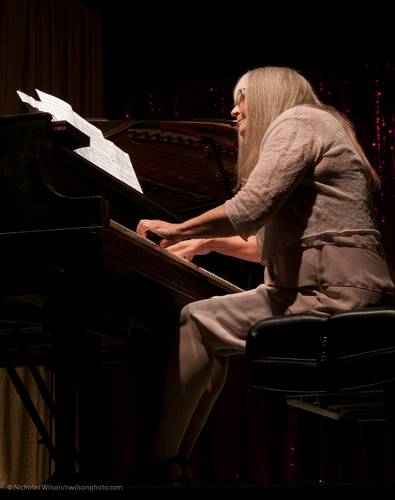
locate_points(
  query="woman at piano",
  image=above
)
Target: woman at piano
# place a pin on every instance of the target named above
(303, 209)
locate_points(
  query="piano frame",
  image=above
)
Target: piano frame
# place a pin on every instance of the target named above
(66, 243)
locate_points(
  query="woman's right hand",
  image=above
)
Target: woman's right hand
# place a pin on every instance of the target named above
(187, 249)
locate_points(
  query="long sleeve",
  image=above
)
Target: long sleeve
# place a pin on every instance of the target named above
(289, 149)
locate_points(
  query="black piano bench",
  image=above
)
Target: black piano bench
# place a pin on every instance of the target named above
(341, 367)
(304, 355)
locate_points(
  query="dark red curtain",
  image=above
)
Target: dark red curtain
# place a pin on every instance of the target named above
(55, 46)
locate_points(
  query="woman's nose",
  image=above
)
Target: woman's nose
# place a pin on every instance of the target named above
(235, 111)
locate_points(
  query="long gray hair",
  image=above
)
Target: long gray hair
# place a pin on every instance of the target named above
(269, 92)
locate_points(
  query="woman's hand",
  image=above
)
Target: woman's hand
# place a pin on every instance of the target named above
(232, 245)
(165, 230)
(214, 222)
(187, 249)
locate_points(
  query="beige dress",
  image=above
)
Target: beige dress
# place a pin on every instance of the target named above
(308, 202)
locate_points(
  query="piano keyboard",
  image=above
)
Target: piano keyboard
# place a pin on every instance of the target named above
(150, 244)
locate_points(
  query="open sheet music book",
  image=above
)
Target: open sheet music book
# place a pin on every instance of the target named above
(101, 152)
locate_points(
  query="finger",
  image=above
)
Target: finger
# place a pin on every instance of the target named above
(140, 228)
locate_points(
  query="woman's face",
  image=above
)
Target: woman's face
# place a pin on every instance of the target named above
(239, 111)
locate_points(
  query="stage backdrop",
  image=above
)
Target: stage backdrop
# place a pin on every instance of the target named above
(54, 46)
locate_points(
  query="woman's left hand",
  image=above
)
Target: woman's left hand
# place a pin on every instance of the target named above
(163, 229)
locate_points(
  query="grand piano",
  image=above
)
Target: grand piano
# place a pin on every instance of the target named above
(81, 288)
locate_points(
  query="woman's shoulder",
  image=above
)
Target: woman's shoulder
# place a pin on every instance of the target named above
(308, 113)
(317, 119)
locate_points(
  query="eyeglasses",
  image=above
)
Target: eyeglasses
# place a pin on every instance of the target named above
(240, 95)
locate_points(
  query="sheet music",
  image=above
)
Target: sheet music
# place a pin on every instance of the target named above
(101, 152)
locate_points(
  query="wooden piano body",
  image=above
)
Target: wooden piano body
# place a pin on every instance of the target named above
(87, 286)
